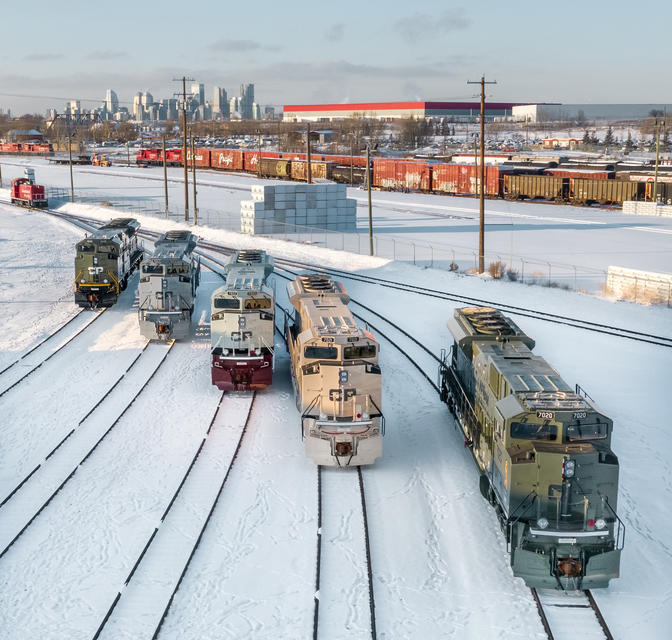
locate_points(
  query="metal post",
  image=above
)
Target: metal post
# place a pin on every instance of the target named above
(165, 172)
(258, 153)
(193, 175)
(0, 176)
(72, 184)
(128, 155)
(368, 188)
(351, 162)
(655, 175)
(309, 175)
(481, 234)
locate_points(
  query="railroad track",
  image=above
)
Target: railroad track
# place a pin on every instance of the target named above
(563, 613)
(342, 567)
(50, 479)
(12, 375)
(177, 522)
(559, 319)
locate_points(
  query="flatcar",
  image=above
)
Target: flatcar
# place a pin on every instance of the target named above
(242, 325)
(543, 451)
(105, 261)
(335, 373)
(27, 194)
(167, 289)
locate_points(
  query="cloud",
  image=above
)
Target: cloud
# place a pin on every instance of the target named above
(424, 25)
(42, 57)
(335, 32)
(107, 55)
(241, 46)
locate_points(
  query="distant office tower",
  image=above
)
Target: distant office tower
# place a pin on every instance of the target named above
(246, 100)
(136, 109)
(220, 105)
(198, 94)
(256, 111)
(170, 108)
(74, 108)
(147, 100)
(111, 101)
(235, 108)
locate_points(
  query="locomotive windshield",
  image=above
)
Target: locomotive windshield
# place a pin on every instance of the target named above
(323, 353)
(152, 268)
(227, 303)
(530, 431)
(86, 248)
(258, 303)
(592, 431)
(353, 352)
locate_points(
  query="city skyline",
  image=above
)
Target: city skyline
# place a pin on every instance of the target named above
(364, 52)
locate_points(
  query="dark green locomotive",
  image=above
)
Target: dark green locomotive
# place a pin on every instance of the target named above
(104, 262)
(543, 449)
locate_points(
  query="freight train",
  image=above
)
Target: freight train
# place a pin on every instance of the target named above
(167, 289)
(242, 325)
(27, 148)
(335, 373)
(543, 451)
(568, 184)
(105, 261)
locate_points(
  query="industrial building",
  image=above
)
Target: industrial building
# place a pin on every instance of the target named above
(394, 110)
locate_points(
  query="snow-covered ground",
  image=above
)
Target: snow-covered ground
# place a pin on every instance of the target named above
(440, 567)
(536, 240)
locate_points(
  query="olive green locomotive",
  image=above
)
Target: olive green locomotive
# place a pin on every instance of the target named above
(543, 450)
(104, 262)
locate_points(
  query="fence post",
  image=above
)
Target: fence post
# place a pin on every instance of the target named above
(522, 270)
(431, 254)
(413, 243)
(574, 276)
(549, 274)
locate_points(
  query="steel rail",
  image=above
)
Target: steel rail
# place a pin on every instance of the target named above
(157, 631)
(86, 456)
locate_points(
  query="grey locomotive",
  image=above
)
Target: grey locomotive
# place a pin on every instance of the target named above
(104, 262)
(336, 376)
(543, 450)
(168, 282)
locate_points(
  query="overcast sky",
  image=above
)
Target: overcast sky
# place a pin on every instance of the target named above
(300, 51)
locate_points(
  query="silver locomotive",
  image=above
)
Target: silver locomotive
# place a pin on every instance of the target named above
(167, 289)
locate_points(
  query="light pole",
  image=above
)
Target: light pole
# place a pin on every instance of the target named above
(655, 174)
(193, 174)
(309, 175)
(258, 153)
(368, 188)
(165, 172)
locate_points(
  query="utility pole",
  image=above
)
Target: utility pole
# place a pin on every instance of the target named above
(193, 174)
(481, 233)
(368, 187)
(309, 175)
(0, 176)
(165, 172)
(258, 153)
(184, 79)
(128, 155)
(351, 160)
(72, 183)
(655, 173)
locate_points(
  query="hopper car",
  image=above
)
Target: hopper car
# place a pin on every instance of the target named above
(104, 262)
(27, 194)
(543, 450)
(242, 325)
(572, 184)
(167, 289)
(335, 374)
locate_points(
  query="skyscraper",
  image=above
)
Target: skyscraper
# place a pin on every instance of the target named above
(198, 93)
(246, 101)
(220, 105)
(111, 101)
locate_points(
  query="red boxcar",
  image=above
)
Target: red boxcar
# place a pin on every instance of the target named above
(344, 161)
(589, 174)
(201, 155)
(27, 194)
(401, 176)
(287, 155)
(250, 159)
(230, 159)
(463, 179)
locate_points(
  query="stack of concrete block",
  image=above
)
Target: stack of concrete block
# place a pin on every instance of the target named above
(276, 208)
(647, 208)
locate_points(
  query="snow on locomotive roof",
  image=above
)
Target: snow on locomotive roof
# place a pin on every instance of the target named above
(175, 244)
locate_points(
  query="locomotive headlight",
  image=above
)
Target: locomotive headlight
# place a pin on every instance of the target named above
(105, 281)
(600, 523)
(542, 523)
(82, 281)
(226, 352)
(568, 467)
